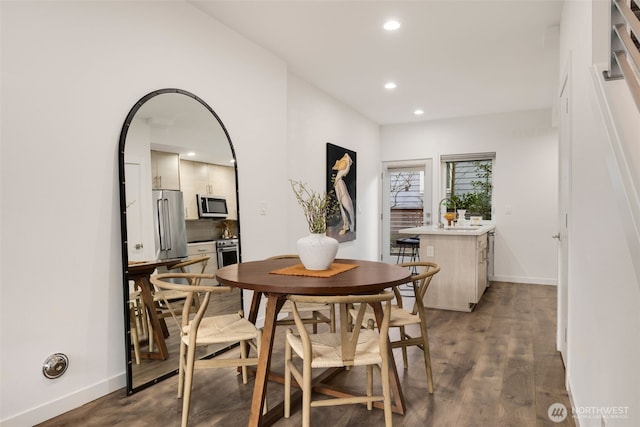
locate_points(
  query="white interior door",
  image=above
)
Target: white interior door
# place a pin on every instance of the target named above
(135, 247)
(564, 207)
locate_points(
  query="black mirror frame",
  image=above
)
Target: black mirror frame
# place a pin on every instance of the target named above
(123, 226)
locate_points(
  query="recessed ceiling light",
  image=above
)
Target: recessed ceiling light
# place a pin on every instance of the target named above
(390, 85)
(418, 112)
(391, 25)
(232, 161)
(191, 154)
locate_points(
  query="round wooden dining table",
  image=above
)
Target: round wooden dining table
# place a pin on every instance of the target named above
(139, 273)
(267, 278)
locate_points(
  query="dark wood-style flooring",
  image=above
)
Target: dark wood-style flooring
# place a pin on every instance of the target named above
(495, 366)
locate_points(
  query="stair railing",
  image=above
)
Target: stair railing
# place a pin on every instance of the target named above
(625, 46)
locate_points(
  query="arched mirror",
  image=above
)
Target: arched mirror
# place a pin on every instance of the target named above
(179, 211)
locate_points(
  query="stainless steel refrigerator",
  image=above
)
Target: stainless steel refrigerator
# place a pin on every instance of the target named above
(169, 224)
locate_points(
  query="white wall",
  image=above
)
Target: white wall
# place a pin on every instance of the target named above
(315, 119)
(604, 299)
(71, 71)
(524, 179)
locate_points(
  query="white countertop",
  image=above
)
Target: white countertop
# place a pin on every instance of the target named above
(456, 231)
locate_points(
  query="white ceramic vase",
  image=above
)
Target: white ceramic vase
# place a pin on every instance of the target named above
(317, 251)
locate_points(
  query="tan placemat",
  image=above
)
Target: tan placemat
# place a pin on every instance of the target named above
(299, 270)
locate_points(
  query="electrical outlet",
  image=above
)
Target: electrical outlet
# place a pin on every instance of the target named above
(430, 251)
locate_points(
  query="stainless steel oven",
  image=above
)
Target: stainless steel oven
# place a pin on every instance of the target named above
(227, 251)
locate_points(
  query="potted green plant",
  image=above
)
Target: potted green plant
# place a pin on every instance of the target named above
(317, 251)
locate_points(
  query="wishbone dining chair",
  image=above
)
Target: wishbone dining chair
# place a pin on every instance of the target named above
(315, 313)
(168, 302)
(201, 330)
(401, 317)
(354, 345)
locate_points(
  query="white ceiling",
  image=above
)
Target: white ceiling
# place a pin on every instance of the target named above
(179, 124)
(450, 58)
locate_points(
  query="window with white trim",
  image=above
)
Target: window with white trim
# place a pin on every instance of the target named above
(468, 180)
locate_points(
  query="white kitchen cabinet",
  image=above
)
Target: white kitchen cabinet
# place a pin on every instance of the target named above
(195, 250)
(225, 177)
(165, 171)
(205, 178)
(462, 257)
(187, 172)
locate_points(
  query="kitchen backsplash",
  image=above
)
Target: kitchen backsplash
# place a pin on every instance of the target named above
(206, 229)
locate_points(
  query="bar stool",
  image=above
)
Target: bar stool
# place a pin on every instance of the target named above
(408, 248)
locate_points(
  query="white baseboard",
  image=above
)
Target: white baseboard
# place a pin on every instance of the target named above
(573, 405)
(65, 403)
(526, 280)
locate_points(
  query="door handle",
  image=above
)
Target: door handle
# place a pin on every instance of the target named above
(556, 236)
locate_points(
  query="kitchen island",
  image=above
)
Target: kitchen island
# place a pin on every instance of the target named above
(461, 253)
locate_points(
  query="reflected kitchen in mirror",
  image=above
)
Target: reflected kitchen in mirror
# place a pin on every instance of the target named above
(179, 212)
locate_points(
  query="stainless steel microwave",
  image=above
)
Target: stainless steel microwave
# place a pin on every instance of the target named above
(212, 206)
